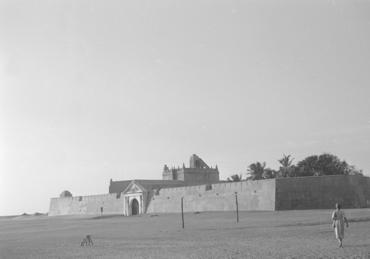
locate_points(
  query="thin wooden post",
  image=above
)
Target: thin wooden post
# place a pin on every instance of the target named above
(182, 212)
(237, 207)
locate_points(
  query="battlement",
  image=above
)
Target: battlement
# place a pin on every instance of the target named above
(197, 172)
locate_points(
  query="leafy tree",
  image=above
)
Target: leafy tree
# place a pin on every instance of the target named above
(324, 164)
(308, 166)
(256, 171)
(331, 165)
(235, 178)
(352, 170)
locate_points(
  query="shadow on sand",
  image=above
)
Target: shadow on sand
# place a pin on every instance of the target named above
(107, 217)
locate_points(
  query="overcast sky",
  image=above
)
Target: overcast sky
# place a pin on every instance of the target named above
(93, 90)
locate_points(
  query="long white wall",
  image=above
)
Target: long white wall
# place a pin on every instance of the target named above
(252, 195)
(87, 205)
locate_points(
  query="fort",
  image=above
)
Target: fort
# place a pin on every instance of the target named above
(201, 189)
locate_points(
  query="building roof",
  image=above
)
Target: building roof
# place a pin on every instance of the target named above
(65, 194)
(120, 186)
(197, 162)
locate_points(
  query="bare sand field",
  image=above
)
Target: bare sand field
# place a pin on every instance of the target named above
(284, 234)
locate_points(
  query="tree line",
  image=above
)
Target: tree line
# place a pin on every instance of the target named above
(315, 165)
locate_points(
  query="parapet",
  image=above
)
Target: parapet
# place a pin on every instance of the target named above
(198, 172)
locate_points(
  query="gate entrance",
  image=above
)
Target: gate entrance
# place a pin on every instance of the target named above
(134, 207)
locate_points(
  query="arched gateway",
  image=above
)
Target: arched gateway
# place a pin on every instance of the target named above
(134, 207)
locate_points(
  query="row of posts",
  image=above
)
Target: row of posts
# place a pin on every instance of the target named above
(236, 207)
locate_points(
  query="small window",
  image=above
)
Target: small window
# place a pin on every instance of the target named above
(118, 195)
(208, 187)
(80, 198)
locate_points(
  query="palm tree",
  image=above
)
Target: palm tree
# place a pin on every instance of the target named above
(287, 167)
(286, 161)
(256, 170)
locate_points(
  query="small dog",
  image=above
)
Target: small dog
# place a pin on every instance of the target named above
(87, 241)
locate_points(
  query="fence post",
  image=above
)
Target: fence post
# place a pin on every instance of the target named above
(237, 207)
(182, 212)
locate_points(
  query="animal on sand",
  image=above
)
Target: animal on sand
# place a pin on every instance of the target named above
(87, 241)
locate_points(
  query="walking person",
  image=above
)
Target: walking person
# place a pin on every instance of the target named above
(339, 219)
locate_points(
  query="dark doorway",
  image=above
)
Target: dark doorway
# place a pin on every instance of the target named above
(134, 207)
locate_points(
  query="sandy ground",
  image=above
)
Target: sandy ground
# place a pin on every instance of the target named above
(286, 234)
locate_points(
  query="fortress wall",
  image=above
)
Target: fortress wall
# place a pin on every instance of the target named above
(86, 205)
(252, 195)
(276, 194)
(322, 192)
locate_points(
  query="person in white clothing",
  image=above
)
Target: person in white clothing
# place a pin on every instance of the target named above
(339, 218)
